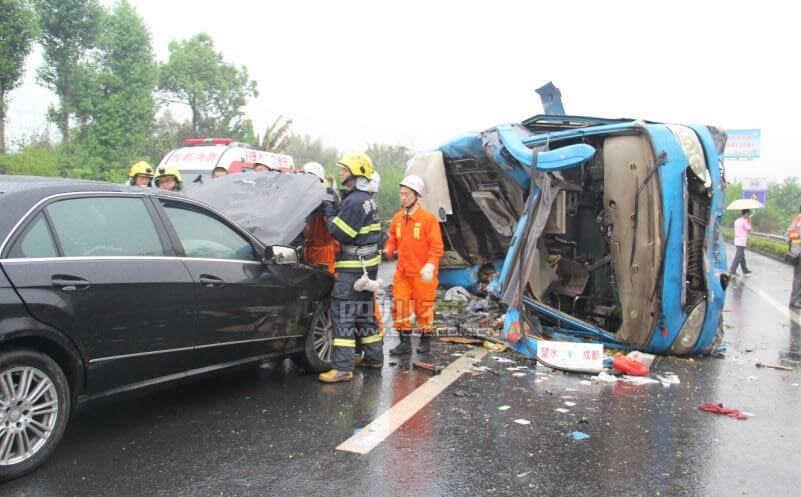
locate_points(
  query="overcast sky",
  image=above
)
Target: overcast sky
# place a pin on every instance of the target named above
(420, 72)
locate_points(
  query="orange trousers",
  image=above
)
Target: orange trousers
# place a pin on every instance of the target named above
(411, 295)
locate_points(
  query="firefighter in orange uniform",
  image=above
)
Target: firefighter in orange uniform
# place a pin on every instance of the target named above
(319, 246)
(415, 235)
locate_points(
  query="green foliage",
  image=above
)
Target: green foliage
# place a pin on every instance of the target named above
(116, 94)
(276, 135)
(167, 134)
(68, 29)
(215, 91)
(784, 200)
(304, 148)
(771, 248)
(17, 31)
(38, 159)
(389, 161)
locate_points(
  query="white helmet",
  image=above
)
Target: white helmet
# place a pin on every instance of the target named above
(414, 183)
(375, 183)
(316, 169)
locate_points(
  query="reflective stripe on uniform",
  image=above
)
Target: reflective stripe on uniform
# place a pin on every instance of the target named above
(370, 228)
(345, 227)
(345, 342)
(357, 264)
(370, 339)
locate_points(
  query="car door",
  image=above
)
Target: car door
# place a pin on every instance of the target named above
(246, 307)
(96, 268)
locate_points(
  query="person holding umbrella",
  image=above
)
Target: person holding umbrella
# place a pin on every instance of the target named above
(742, 227)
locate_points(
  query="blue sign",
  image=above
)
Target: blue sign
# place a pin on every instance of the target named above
(742, 144)
(756, 189)
(760, 195)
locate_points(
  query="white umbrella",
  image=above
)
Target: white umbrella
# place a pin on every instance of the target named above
(745, 203)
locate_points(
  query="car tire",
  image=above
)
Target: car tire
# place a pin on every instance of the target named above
(38, 411)
(316, 355)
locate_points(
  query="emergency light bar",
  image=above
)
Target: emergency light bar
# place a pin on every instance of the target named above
(209, 141)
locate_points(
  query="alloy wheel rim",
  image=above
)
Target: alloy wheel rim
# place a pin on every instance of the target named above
(323, 336)
(29, 409)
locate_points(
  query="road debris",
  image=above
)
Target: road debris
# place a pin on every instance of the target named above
(494, 347)
(433, 368)
(641, 357)
(504, 408)
(713, 408)
(630, 366)
(668, 379)
(523, 422)
(774, 366)
(639, 380)
(605, 377)
(578, 435)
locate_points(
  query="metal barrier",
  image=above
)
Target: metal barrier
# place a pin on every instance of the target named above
(768, 236)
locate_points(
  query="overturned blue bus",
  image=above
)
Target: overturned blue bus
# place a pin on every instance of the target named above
(604, 230)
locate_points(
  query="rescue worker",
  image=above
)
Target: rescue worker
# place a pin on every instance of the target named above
(319, 246)
(140, 174)
(260, 167)
(169, 178)
(372, 188)
(355, 225)
(794, 236)
(219, 172)
(415, 235)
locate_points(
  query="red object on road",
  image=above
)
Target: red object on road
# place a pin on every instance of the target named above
(719, 409)
(627, 366)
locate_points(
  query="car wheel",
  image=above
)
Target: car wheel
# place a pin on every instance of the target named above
(34, 410)
(319, 341)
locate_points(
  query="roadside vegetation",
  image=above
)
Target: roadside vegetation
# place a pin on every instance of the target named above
(114, 98)
(783, 204)
(771, 248)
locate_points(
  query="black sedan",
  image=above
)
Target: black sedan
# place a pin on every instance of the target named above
(106, 288)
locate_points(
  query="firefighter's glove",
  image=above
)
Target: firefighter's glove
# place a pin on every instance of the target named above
(365, 284)
(427, 273)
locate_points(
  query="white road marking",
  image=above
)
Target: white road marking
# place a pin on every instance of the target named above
(383, 426)
(770, 300)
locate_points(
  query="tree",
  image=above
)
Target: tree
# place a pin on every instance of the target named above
(276, 135)
(68, 29)
(215, 91)
(115, 91)
(304, 148)
(390, 162)
(17, 32)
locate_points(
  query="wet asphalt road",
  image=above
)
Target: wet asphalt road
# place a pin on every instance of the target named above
(273, 431)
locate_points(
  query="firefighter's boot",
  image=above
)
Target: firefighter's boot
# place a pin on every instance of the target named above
(425, 344)
(334, 376)
(405, 345)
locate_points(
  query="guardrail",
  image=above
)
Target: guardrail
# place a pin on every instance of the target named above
(769, 236)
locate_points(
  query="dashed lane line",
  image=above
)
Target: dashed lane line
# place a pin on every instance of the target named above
(383, 426)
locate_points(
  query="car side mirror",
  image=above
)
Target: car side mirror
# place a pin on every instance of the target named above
(279, 254)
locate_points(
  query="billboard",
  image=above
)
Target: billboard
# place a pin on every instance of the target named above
(756, 188)
(742, 144)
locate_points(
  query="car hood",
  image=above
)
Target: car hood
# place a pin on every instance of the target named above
(273, 207)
